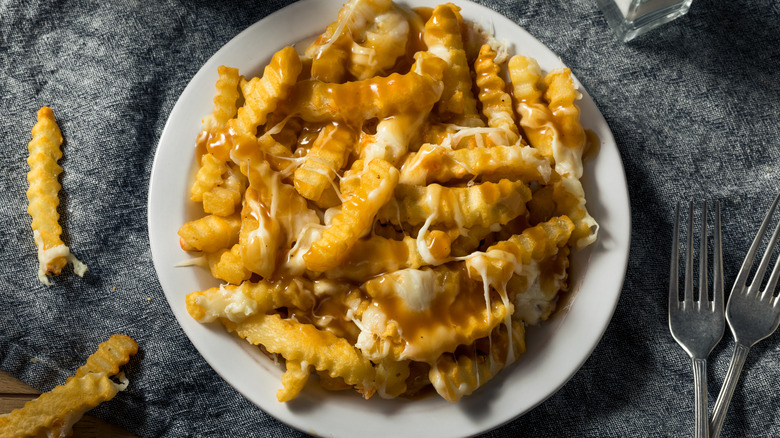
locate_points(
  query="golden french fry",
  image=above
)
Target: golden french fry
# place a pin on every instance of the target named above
(535, 116)
(210, 233)
(384, 40)
(431, 311)
(326, 157)
(263, 94)
(260, 236)
(536, 304)
(304, 342)
(391, 377)
(221, 201)
(330, 52)
(109, 356)
(236, 302)
(443, 38)
(357, 214)
(570, 201)
(457, 375)
(571, 140)
(43, 197)
(392, 137)
(208, 177)
(293, 381)
(462, 207)
(496, 103)
(388, 255)
(228, 265)
(355, 102)
(54, 413)
(225, 100)
(283, 203)
(434, 163)
(509, 257)
(366, 40)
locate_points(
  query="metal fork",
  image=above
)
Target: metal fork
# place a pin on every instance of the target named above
(697, 325)
(752, 315)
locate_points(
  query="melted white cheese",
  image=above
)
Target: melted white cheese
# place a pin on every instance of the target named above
(231, 304)
(46, 256)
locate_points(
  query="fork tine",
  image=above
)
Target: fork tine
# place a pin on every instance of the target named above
(674, 271)
(755, 285)
(703, 298)
(717, 255)
(688, 292)
(739, 283)
(770, 286)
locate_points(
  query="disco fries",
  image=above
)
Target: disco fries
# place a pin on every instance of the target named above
(392, 208)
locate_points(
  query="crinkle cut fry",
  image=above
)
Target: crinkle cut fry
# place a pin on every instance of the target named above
(362, 41)
(383, 41)
(225, 100)
(274, 215)
(508, 257)
(43, 191)
(549, 278)
(330, 52)
(527, 91)
(262, 95)
(293, 380)
(434, 163)
(210, 233)
(209, 175)
(389, 255)
(394, 134)
(463, 207)
(227, 264)
(457, 375)
(392, 138)
(496, 103)
(257, 297)
(284, 203)
(109, 356)
(327, 156)
(54, 413)
(443, 38)
(260, 236)
(569, 199)
(225, 198)
(458, 313)
(377, 183)
(305, 343)
(561, 94)
(391, 377)
(355, 102)
(43, 198)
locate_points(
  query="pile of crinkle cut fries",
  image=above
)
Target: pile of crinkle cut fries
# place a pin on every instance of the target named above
(391, 208)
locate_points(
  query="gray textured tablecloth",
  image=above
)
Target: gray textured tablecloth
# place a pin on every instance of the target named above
(693, 107)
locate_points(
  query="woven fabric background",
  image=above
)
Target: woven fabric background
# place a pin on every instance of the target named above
(694, 107)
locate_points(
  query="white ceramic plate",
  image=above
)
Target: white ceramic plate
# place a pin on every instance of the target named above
(556, 349)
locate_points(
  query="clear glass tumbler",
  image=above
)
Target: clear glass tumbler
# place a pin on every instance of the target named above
(631, 18)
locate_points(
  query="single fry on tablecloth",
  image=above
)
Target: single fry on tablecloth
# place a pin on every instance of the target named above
(54, 413)
(43, 196)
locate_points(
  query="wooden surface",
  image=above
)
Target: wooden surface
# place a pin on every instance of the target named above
(14, 394)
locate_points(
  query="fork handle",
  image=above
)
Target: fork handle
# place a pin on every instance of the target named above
(700, 391)
(727, 390)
